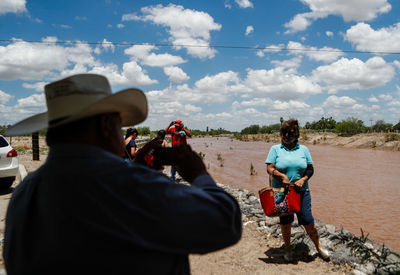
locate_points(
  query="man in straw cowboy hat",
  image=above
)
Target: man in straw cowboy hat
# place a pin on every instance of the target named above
(86, 210)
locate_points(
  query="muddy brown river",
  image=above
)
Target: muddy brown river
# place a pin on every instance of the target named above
(351, 188)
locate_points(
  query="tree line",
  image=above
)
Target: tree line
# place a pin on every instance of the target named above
(346, 127)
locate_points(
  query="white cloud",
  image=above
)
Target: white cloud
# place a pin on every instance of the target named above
(107, 45)
(38, 86)
(373, 99)
(395, 102)
(249, 30)
(12, 6)
(299, 23)
(142, 53)
(281, 84)
(338, 102)
(293, 63)
(212, 89)
(346, 74)
(185, 26)
(131, 74)
(120, 26)
(349, 10)
(33, 61)
(329, 33)
(176, 74)
(32, 102)
(4, 97)
(325, 54)
(367, 39)
(375, 107)
(244, 3)
(385, 97)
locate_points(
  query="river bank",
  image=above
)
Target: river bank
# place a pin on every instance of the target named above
(260, 251)
(376, 141)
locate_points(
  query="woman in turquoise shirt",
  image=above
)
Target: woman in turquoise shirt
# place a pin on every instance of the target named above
(290, 162)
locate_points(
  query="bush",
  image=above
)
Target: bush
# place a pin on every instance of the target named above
(350, 126)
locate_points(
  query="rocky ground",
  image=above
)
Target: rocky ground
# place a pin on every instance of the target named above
(260, 251)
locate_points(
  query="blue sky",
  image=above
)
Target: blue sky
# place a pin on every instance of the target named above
(219, 63)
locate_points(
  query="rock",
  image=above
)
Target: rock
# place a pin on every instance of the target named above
(330, 228)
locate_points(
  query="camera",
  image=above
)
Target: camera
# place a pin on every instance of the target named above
(165, 156)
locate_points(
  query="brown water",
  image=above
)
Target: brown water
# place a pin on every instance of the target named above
(353, 188)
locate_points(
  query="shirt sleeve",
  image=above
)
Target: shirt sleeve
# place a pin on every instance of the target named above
(308, 155)
(271, 158)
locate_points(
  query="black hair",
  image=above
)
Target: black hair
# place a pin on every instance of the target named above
(161, 133)
(131, 131)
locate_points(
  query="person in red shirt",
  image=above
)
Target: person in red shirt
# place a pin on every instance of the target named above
(178, 134)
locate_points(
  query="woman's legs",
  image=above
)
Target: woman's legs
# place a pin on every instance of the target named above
(286, 231)
(312, 232)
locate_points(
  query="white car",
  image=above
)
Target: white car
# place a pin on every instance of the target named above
(8, 164)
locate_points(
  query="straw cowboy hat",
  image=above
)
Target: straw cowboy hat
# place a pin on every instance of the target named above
(80, 96)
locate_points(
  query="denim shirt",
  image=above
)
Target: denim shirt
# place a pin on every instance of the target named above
(87, 210)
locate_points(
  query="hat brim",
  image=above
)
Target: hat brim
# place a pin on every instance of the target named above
(131, 104)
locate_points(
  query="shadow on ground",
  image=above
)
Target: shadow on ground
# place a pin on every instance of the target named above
(300, 254)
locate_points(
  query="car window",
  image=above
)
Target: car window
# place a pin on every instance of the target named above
(3, 142)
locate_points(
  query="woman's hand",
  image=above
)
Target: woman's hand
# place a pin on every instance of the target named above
(299, 183)
(285, 179)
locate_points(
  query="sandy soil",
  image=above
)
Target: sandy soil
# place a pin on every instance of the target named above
(259, 253)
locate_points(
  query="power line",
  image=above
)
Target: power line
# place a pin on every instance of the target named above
(127, 44)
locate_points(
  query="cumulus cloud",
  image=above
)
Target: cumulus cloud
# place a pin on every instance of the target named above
(131, 74)
(143, 54)
(249, 30)
(38, 86)
(347, 74)
(329, 33)
(211, 89)
(350, 10)
(324, 54)
(373, 99)
(386, 97)
(33, 61)
(244, 3)
(30, 61)
(106, 46)
(367, 39)
(338, 102)
(280, 83)
(293, 63)
(176, 74)
(12, 6)
(185, 27)
(4, 97)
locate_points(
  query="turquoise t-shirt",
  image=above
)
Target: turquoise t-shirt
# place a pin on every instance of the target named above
(293, 162)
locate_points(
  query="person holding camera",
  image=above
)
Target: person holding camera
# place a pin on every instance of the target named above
(88, 211)
(178, 134)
